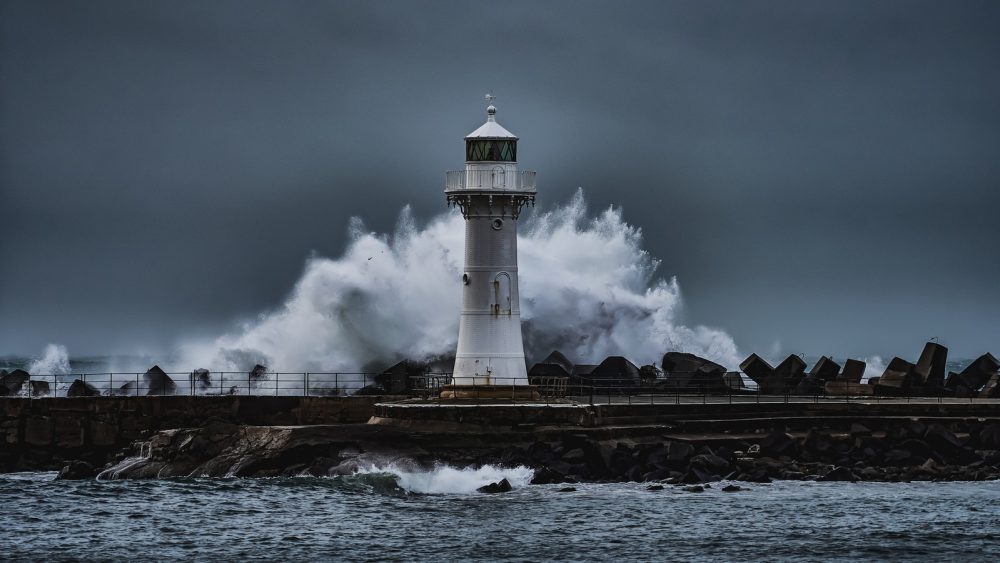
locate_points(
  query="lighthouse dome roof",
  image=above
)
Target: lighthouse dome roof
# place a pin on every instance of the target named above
(491, 129)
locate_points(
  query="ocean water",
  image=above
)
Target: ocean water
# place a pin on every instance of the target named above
(387, 514)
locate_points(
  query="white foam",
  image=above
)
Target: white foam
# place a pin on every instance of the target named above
(587, 288)
(55, 361)
(445, 479)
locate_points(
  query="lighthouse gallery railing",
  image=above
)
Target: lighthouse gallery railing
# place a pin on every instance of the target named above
(523, 180)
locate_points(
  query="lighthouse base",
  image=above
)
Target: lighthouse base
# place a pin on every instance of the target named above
(491, 392)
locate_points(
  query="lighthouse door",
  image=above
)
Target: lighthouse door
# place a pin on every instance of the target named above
(501, 292)
(498, 176)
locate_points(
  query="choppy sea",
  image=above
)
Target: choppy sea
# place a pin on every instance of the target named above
(387, 514)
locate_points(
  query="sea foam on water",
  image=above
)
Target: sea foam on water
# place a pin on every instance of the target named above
(587, 288)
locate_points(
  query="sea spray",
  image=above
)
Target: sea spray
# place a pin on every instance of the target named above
(445, 479)
(587, 288)
(55, 361)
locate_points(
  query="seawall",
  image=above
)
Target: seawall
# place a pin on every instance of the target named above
(45, 433)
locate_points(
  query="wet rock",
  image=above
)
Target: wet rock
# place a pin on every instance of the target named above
(502, 486)
(615, 372)
(201, 379)
(546, 476)
(11, 383)
(567, 490)
(158, 382)
(839, 474)
(39, 388)
(649, 374)
(77, 470)
(679, 452)
(825, 369)
(758, 370)
(81, 389)
(854, 370)
(789, 373)
(710, 462)
(654, 488)
(732, 488)
(687, 372)
(860, 430)
(931, 365)
(694, 489)
(777, 444)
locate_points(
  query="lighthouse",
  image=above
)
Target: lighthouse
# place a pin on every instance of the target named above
(490, 193)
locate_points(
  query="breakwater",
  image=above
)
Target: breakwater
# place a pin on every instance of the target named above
(40, 434)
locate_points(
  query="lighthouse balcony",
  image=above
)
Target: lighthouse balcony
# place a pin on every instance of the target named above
(495, 179)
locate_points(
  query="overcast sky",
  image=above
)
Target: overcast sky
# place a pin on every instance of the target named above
(823, 174)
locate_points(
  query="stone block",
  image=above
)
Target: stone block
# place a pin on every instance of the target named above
(68, 432)
(854, 370)
(825, 369)
(103, 433)
(931, 365)
(756, 369)
(899, 374)
(38, 431)
(980, 371)
(789, 373)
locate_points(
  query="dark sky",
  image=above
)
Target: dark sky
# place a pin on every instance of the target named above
(823, 174)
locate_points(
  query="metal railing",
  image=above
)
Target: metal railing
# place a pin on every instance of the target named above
(499, 179)
(574, 389)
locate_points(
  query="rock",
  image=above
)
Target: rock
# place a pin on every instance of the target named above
(615, 372)
(695, 489)
(401, 377)
(559, 359)
(980, 371)
(858, 429)
(931, 365)
(654, 488)
(649, 374)
(687, 372)
(39, 388)
(758, 370)
(839, 474)
(992, 388)
(731, 488)
(502, 486)
(11, 383)
(201, 379)
(567, 490)
(679, 452)
(77, 470)
(789, 373)
(546, 476)
(539, 372)
(710, 462)
(81, 389)
(734, 380)
(576, 455)
(825, 369)
(777, 444)
(158, 382)
(810, 385)
(854, 370)
(899, 375)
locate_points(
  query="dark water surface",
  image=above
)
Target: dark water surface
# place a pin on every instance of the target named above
(370, 517)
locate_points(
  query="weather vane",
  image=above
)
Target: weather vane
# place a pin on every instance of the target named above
(490, 97)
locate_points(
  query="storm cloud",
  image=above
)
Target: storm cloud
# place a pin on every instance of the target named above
(823, 175)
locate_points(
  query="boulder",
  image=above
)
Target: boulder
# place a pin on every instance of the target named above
(201, 379)
(777, 444)
(79, 388)
(955, 385)
(789, 373)
(615, 372)
(11, 383)
(649, 374)
(402, 376)
(992, 388)
(839, 474)
(502, 486)
(810, 385)
(732, 489)
(559, 359)
(931, 365)
(733, 380)
(77, 470)
(854, 370)
(687, 372)
(758, 370)
(825, 369)
(976, 374)
(898, 375)
(540, 372)
(158, 382)
(39, 388)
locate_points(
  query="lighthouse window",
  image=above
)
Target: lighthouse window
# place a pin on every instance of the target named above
(491, 150)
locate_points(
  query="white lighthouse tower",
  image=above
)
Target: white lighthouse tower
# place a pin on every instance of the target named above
(490, 193)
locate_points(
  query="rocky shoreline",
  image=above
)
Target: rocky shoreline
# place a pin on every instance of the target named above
(910, 451)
